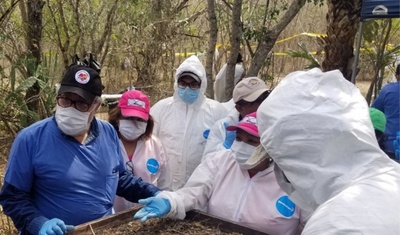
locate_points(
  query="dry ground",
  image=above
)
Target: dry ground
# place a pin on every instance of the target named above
(165, 226)
(363, 86)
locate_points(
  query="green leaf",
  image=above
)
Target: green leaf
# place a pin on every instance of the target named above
(305, 54)
(25, 85)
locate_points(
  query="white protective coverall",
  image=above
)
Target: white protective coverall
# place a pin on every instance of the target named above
(220, 83)
(180, 126)
(221, 188)
(217, 134)
(318, 131)
(150, 164)
(229, 105)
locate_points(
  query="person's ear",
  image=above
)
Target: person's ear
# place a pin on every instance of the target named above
(96, 106)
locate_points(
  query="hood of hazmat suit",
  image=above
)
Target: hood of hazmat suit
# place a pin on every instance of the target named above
(181, 126)
(316, 127)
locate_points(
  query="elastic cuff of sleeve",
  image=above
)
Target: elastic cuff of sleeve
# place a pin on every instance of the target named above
(35, 225)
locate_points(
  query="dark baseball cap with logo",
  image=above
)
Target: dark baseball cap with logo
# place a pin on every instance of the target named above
(83, 81)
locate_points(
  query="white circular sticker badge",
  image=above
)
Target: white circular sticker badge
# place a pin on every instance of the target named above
(82, 76)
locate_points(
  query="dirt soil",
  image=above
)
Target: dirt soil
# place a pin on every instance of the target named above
(164, 226)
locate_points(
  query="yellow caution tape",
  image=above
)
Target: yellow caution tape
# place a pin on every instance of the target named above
(302, 34)
(285, 54)
(181, 54)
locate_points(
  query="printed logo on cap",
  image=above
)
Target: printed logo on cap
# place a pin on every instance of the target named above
(249, 119)
(253, 82)
(152, 166)
(82, 77)
(136, 102)
(285, 206)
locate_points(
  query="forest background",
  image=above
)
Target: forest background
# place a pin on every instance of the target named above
(140, 43)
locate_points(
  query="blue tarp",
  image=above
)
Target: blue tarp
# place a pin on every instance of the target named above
(380, 9)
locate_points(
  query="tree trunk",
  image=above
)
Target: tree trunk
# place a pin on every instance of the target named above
(34, 40)
(234, 49)
(104, 41)
(152, 50)
(62, 32)
(342, 19)
(212, 42)
(379, 65)
(271, 36)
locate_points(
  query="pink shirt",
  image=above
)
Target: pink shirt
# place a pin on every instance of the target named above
(150, 164)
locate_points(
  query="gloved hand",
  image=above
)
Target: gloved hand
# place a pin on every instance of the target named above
(206, 133)
(229, 137)
(154, 207)
(55, 227)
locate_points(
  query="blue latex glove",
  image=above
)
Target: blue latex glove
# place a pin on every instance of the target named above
(154, 207)
(55, 227)
(229, 137)
(206, 133)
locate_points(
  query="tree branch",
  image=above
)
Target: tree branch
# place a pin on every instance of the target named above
(107, 28)
(8, 11)
(271, 36)
(235, 47)
(212, 42)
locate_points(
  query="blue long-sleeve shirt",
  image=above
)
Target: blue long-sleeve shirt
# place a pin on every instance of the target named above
(388, 102)
(51, 175)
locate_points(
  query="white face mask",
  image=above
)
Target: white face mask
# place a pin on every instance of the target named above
(242, 152)
(72, 121)
(131, 130)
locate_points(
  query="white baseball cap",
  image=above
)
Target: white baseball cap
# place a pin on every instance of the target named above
(249, 89)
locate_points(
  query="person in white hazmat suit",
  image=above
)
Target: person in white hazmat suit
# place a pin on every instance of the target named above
(226, 187)
(316, 127)
(247, 95)
(142, 152)
(220, 83)
(181, 120)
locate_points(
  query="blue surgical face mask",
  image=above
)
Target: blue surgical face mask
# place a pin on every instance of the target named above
(188, 95)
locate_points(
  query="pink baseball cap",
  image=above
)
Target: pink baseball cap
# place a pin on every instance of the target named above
(248, 124)
(134, 104)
